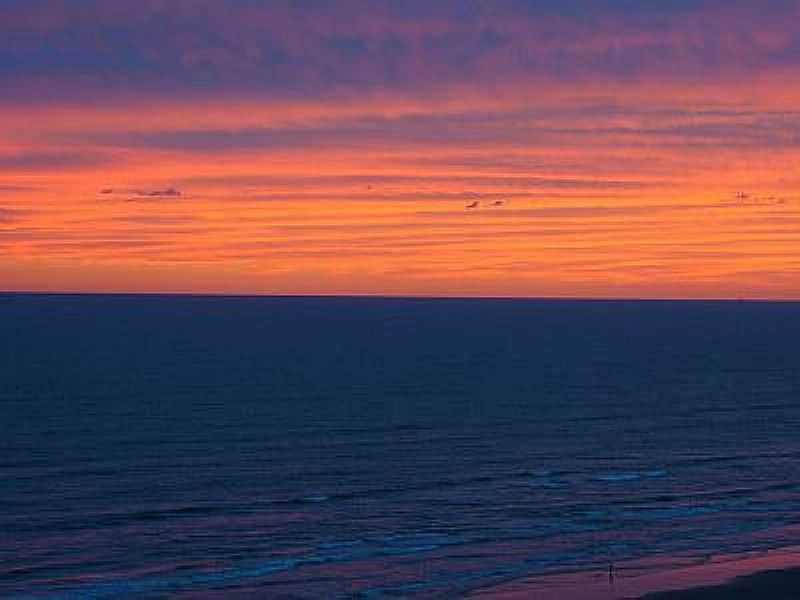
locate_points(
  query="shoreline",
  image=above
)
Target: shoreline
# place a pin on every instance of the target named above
(776, 584)
(758, 574)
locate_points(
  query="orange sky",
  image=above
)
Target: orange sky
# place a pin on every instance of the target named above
(650, 187)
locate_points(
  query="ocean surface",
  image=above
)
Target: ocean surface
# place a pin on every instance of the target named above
(326, 448)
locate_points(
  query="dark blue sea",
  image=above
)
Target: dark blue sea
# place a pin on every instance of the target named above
(367, 448)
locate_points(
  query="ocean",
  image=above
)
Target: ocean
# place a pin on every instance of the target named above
(155, 446)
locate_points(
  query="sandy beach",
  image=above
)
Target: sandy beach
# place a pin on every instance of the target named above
(772, 574)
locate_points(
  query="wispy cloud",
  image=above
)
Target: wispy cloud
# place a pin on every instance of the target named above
(37, 161)
(10, 215)
(15, 189)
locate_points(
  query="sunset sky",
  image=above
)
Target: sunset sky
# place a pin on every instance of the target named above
(595, 148)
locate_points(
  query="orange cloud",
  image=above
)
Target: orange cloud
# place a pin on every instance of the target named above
(615, 183)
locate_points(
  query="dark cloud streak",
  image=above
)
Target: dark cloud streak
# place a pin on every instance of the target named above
(136, 194)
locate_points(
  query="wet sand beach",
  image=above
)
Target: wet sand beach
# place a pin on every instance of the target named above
(772, 574)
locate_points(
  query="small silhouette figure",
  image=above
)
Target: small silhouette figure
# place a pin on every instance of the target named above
(611, 573)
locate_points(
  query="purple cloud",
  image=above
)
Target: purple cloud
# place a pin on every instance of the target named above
(94, 49)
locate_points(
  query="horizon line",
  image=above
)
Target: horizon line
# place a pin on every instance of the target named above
(377, 296)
